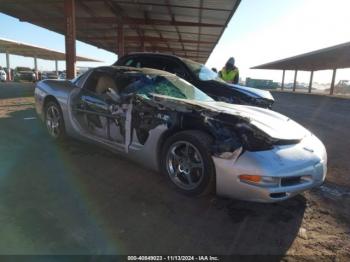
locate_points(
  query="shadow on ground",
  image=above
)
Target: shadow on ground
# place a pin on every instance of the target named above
(76, 198)
(14, 90)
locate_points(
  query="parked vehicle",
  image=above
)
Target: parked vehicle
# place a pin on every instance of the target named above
(200, 76)
(49, 75)
(3, 76)
(24, 74)
(164, 122)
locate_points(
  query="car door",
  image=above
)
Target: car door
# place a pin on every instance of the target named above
(101, 116)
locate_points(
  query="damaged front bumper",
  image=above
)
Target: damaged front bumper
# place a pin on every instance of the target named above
(285, 170)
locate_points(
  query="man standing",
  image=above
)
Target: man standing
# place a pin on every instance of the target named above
(229, 73)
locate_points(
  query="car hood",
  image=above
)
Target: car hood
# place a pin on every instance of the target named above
(270, 122)
(274, 124)
(253, 91)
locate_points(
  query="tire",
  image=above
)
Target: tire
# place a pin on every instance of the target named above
(187, 163)
(54, 121)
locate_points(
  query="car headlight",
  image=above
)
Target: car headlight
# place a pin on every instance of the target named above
(260, 180)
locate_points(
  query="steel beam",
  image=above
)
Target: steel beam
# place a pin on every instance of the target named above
(115, 20)
(295, 80)
(283, 76)
(148, 39)
(311, 79)
(8, 65)
(331, 91)
(70, 37)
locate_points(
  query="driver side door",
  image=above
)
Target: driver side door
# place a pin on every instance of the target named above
(100, 116)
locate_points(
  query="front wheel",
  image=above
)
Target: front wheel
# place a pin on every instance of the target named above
(187, 162)
(54, 120)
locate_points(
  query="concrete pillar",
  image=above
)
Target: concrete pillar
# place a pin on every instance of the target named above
(56, 67)
(283, 76)
(333, 82)
(121, 50)
(311, 79)
(36, 68)
(295, 80)
(70, 37)
(8, 65)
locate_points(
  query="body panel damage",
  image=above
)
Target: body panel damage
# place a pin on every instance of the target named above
(145, 110)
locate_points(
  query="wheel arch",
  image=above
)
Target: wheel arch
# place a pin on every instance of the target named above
(171, 132)
(50, 98)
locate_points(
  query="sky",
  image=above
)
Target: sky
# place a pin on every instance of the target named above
(261, 31)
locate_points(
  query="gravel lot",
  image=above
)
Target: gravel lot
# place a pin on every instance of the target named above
(75, 198)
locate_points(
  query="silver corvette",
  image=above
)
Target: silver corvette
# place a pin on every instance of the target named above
(201, 146)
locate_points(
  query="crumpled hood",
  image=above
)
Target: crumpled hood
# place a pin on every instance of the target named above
(272, 123)
(253, 91)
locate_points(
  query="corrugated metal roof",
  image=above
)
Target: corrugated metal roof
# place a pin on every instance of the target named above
(22, 49)
(185, 28)
(328, 58)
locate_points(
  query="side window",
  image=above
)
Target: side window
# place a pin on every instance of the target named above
(132, 62)
(99, 82)
(91, 82)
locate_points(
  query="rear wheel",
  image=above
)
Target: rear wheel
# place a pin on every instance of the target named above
(54, 120)
(187, 162)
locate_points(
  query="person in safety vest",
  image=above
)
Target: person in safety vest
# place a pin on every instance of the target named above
(229, 73)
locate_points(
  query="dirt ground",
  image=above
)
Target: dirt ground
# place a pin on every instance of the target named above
(75, 198)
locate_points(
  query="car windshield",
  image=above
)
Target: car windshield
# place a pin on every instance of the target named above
(201, 71)
(23, 69)
(166, 85)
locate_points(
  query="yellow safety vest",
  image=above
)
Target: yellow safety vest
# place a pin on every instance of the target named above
(228, 76)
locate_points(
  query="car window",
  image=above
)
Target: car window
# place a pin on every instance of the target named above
(164, 64)
(201, 71)
(100, 81)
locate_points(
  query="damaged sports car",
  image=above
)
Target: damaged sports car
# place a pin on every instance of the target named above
(200, 145)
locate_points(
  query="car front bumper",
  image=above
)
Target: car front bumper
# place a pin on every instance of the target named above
(294, 169)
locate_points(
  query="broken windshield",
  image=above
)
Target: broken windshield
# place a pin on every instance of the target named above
(166, 85)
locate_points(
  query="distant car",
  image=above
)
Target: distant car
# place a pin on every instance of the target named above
(201, 77)
(62, 76)
(24, 74)
(167, 124)
(3, 76)
(49, 75)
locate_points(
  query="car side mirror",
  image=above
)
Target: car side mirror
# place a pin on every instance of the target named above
(113, 95)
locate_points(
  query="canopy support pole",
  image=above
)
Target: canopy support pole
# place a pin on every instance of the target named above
(120, 40)
(70, 37)
(333, 82)
(283, 76)
(295, 80)
(36, 68)
(56, 67)
(8, 65)
(311, 79)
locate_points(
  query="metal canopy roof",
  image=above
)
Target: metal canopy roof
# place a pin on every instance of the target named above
(22, 49)
(185, 28)
(328, 58)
